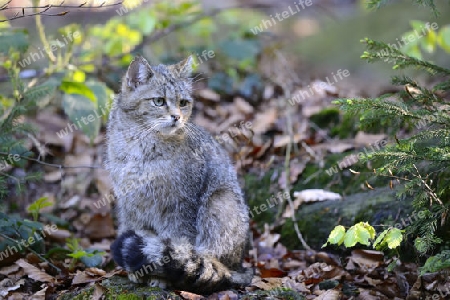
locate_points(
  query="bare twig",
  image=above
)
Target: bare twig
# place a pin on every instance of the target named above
(41, 9)
(289, 126)
(29, 248)
(52, 165)
(428, 188)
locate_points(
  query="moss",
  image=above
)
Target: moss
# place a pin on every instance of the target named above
(328, 117)
(338, 125)
(377, 207)
(277, 293)
(120, 288)
(84, 294)
(257, 192)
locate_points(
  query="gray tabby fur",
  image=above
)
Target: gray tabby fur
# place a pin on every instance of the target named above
(182, 216)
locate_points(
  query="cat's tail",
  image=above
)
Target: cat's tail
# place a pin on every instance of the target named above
(178, 263)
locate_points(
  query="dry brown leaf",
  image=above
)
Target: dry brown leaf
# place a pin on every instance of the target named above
(296, 168)
(243, 106)
(48, 125)
(372, 254)
(339, 146)
(208, 94)
(329, 295)
(364, 139)
(200, 120)
(102, 181)
(60, 234)
(40, 295)
(34, 273)
(71, 202)
(370, 295)
(264, 120)
(77, 161)
(7, 285)
(95, 272)
(372, 281)
(53, 176)
(83, 277)
(294, 285)
(228, 123)
(230, 295)
(268, 283)
(191, 296)
(8, 270)
(18, 296)
(83, 145)
(98, 292)
(293, 264)
(272, 272)
(364, 260)
(268, 239)
(99, 226)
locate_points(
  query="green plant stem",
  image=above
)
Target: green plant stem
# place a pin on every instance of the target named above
(287, 160)
(41, 33)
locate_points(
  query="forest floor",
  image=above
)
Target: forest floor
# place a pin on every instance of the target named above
(288, 138)
(258, 135)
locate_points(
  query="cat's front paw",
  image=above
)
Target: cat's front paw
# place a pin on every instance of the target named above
(127, 251)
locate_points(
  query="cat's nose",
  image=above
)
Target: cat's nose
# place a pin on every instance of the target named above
(175, 117)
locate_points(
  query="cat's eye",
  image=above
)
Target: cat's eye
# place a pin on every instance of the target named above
(158, 101)
(184, 103)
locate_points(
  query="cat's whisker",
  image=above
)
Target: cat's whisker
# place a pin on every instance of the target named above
(133, 130)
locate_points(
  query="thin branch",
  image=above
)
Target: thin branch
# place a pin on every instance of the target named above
(41, 9)
(428, 188)
(29, 248)
(52, 165)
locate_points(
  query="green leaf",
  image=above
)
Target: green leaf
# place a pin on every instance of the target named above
(336, 236)
(378, 245)
(444, 38)
(16, 39)
(359, 233)
(78, 88)
(72, 244)
(421, 245)
(92, 259)
(57, 253)
(33, 225)
(81, 112)
(436, 263)
(412, 49)
(143, 21)
(429, 41)
(103, 95)
(77, 254)
(37, 205)
(393, 238)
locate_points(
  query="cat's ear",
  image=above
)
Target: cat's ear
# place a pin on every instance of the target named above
(139, 72)
(184, 68)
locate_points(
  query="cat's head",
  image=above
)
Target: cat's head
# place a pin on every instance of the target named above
(159, 97)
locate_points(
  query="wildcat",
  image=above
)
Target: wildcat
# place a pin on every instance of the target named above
(183, 221)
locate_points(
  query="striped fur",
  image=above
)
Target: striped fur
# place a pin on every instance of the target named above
(183, 222)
